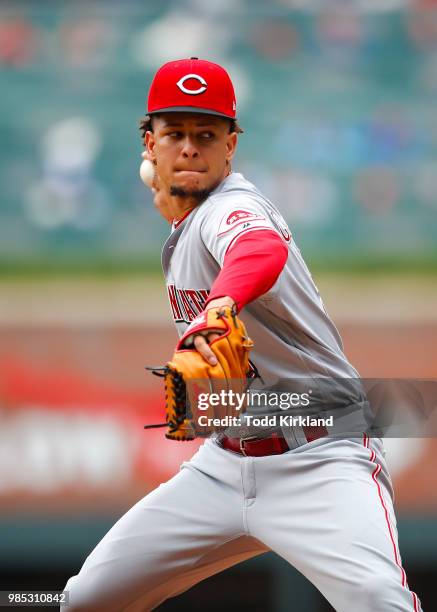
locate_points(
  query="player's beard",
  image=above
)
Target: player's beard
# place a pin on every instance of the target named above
(197, 195)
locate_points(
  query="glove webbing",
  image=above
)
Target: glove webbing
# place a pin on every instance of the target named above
(180, 393)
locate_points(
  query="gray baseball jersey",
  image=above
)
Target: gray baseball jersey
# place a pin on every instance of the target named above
(294, 336)
(296, 343)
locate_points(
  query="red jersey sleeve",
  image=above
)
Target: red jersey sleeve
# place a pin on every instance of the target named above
(251, 267)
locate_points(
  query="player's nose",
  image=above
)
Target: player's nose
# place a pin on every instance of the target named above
(189, 149)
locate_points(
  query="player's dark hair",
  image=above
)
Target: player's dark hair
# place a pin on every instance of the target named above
(146, 125)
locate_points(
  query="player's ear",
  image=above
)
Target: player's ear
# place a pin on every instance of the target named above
(231, 145)
(149, 142)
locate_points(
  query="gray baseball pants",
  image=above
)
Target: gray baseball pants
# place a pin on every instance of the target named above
(326, 507)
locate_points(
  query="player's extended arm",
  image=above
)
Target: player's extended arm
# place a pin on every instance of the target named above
(250, 268)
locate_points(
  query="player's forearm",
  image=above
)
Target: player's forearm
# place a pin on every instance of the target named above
(250, 269)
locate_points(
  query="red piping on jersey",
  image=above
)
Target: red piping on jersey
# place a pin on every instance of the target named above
(376, 471)
(250, 267)
(177, 222)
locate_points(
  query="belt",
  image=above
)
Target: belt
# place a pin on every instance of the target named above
(261, 447)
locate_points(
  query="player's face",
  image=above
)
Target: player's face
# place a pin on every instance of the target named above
(192, 152)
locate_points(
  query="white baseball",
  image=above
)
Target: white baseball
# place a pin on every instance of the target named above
(147, 172)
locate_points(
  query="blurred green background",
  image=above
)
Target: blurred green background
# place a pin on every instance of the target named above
(338, 103)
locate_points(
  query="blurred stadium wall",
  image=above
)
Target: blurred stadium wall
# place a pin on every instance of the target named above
(338, 103)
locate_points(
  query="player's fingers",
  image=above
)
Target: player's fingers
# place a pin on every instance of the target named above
(201, 344)
(212, 336)
(155, 185)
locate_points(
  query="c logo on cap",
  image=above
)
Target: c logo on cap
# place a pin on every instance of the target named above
(192, 92)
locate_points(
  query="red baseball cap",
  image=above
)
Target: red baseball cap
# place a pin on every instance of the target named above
(192, 85)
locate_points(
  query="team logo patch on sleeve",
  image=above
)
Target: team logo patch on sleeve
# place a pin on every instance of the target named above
(238, 217)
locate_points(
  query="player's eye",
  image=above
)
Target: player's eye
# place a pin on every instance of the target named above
(207, 135)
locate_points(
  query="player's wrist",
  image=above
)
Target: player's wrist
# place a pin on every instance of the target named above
(218, 302)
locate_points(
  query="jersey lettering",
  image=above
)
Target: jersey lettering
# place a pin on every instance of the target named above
(280, 224)
(186, 304)
(175, 307)
(195, 299)
(203, 295)
(189, 311)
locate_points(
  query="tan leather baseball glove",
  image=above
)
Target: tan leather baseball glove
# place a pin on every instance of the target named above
(187, 366)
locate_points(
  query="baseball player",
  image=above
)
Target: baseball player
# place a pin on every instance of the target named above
(325, 504)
